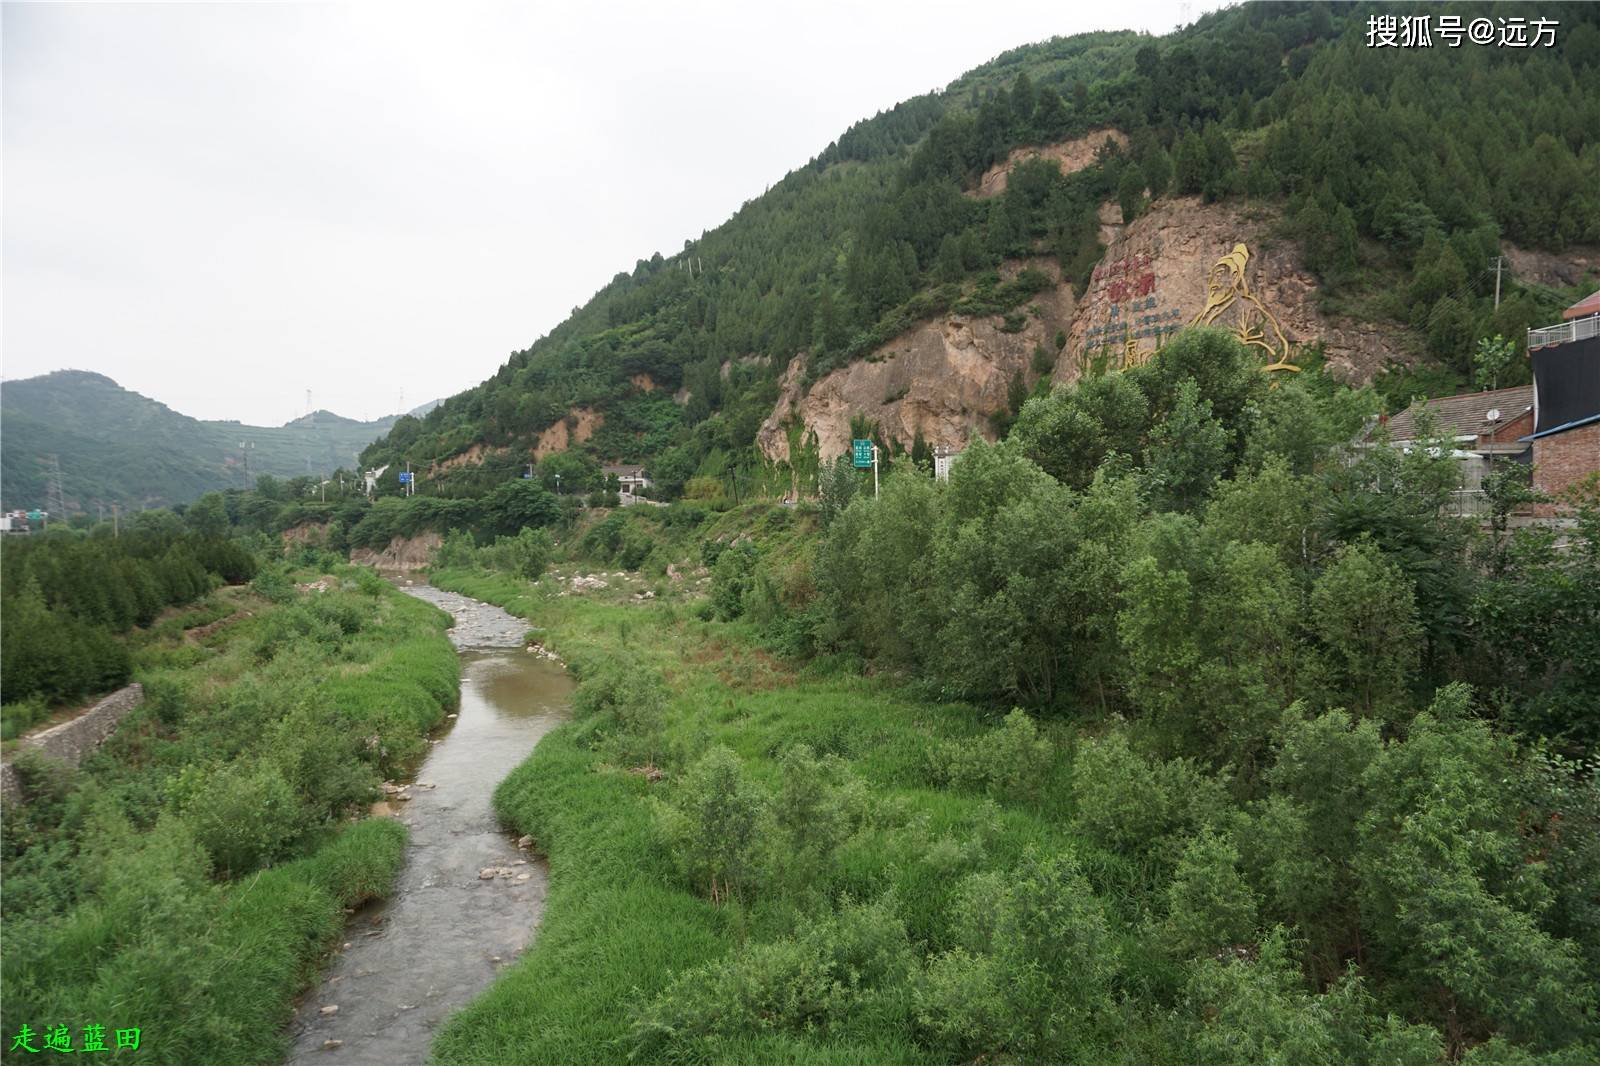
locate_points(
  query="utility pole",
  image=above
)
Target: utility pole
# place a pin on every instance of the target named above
(1498, 261)
(874, 471)
(116, 521)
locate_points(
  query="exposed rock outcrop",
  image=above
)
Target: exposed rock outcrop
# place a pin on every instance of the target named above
(471, 457)
(943, 379)
(577, 427)
(1073, 155)
(1160, 271)
(403, 553)
(946, 377)
(313, 533)
(1545, 268)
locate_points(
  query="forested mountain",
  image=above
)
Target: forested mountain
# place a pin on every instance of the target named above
(118, 447)
(1382, 182)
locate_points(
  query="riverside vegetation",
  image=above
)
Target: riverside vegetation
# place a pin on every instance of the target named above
(189, 876)
(1170, 730)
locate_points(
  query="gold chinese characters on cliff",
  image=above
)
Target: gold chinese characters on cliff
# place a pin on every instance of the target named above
(1230, 303)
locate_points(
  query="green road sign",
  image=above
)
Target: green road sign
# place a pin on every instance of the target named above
(861, 452)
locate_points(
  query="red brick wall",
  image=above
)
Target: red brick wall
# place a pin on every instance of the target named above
(1561, 461)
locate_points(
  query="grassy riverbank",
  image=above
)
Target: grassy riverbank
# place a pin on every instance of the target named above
(920, 794)
(187, 879)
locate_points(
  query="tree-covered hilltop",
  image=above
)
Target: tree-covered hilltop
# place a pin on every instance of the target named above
(118, 447)
(1401, 172)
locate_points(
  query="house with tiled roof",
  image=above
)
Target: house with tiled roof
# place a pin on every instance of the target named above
(630, 479)
(1589, 305)
(1480, 428)
(1485, 423)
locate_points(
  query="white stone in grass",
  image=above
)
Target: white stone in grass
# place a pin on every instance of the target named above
(330, 1010)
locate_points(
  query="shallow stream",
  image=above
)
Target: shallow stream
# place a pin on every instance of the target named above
(468, 898)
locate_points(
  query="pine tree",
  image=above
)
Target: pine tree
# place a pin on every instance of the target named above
(1189, 164)
(1157, 170)
(1130, 193)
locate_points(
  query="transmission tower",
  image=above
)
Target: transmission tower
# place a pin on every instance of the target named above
(55, 499)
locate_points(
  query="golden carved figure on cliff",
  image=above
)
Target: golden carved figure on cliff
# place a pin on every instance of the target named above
(1228, 287)
(1133, 355)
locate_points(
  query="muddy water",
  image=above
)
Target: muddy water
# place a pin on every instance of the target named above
(411, 961)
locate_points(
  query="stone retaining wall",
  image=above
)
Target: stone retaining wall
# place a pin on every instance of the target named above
(70, 741)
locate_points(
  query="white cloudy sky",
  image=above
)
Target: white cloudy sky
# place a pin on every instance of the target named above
(222, 205)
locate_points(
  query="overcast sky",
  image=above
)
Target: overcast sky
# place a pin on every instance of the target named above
(223, 205)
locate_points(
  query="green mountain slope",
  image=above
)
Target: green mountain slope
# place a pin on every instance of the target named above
(118, 447)
(1400, 173)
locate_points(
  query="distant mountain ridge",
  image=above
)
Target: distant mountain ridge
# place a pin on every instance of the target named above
(116, 446)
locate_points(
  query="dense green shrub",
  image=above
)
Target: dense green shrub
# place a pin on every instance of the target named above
(525, 555)
(806, 983)
(1034, 973)
(243, 813)
(733, 576)
(716, 827)
(1010, 761)
(1129, 804)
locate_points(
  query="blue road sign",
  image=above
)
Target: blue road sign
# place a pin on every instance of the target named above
(405, 477)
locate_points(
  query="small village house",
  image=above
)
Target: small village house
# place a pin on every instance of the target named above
(1482, 428)
(630, 479)
(1552, 425)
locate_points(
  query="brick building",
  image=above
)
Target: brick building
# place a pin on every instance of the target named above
(1566, 401)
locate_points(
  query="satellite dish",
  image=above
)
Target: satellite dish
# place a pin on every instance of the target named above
(1493, 415)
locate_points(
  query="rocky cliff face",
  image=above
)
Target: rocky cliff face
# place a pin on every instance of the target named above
(943, 379)
(577, 427)
(1184, 260)
(403, 553)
